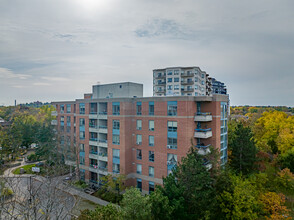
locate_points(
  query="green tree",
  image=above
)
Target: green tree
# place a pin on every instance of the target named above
(135, 206)
(243, 150)
(190, 188)
(109, 212)
(160, 208)
(241, 201)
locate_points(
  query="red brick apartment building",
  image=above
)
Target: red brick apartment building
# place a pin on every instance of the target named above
(115, 130)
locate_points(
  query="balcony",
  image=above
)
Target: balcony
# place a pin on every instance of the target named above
(54, 113)
(161, 83)
(207, 164)
(93, 139)
(93, 155)
(187, 74)
(172, 147)
(203, 149)
(203, 133)
(93, 116)
(187, 82)
(187, 90)
(93, 128)
(102, 115)
(102, 129)
(102, 142)
(54, 122)
(94, 143)
(160, 90)
(103, 157)
(160, 76)
(205, 117)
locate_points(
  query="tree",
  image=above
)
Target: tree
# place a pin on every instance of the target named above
(135, 206)
(240, 202)
(160, 208)
(190, 188)
(243, 150)
(109, 212)
(274, 206)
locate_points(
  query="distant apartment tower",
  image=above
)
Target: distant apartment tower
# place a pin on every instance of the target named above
(115, 130)
(181, 81)
(218, 87)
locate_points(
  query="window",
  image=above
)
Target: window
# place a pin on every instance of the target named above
(62, 118)
(115, 124)
(61, 108)
(151, 140)
(139, 139)
(82, 122)
(176, 87)
(139, 154)
(116, 168)
(169, 87)
(82, 135)
(116, 108)
(68, 108)
(169, 80)
(82, 160)
(151, 187)
(82, 108)
(151, 171)
(151, 156)
(172, 142)
(172, 108)
(68, 129)
(139, 124)
(177, 79)
(82, 148)
(151, 108)
(139, 168)
(196, 79)
(139, 108)
(176, 72)
(170, 73)
(196, 93)
(196, 87)
(115, 153)
(139, 184)
(202, 75)
(151, 125)
(202, 82)
(115, 139)
(172, 126)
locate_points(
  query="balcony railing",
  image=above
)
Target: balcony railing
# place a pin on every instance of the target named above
(102, 154)
(187, 74)
(203, 149)
(103, 113)
(94, 166)
(93, 139)
(188, 82)
(203, 116)
(93, 113)
(103, 126)
(161, 83)
(160, 76)
(203, 133)
(102, 141)
(187, 90)
(93, 152)
(103, 168)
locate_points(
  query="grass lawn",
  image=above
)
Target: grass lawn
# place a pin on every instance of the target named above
(27, 168)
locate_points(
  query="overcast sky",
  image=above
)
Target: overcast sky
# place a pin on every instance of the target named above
(54, 50)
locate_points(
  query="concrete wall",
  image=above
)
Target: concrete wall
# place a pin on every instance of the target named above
(118, 90)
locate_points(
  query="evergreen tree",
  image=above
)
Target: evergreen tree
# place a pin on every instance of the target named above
(243, 150)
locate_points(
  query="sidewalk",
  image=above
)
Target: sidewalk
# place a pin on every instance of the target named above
(69, 189)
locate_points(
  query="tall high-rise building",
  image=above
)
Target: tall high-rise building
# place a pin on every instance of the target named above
(115, 130)
(181, 81)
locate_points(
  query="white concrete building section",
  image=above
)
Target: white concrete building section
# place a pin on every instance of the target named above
(118, 90)
(181, 81)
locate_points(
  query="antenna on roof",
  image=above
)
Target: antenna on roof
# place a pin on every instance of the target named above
(98, 82)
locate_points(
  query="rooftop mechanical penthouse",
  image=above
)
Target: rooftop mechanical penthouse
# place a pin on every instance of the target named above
(115, 130)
